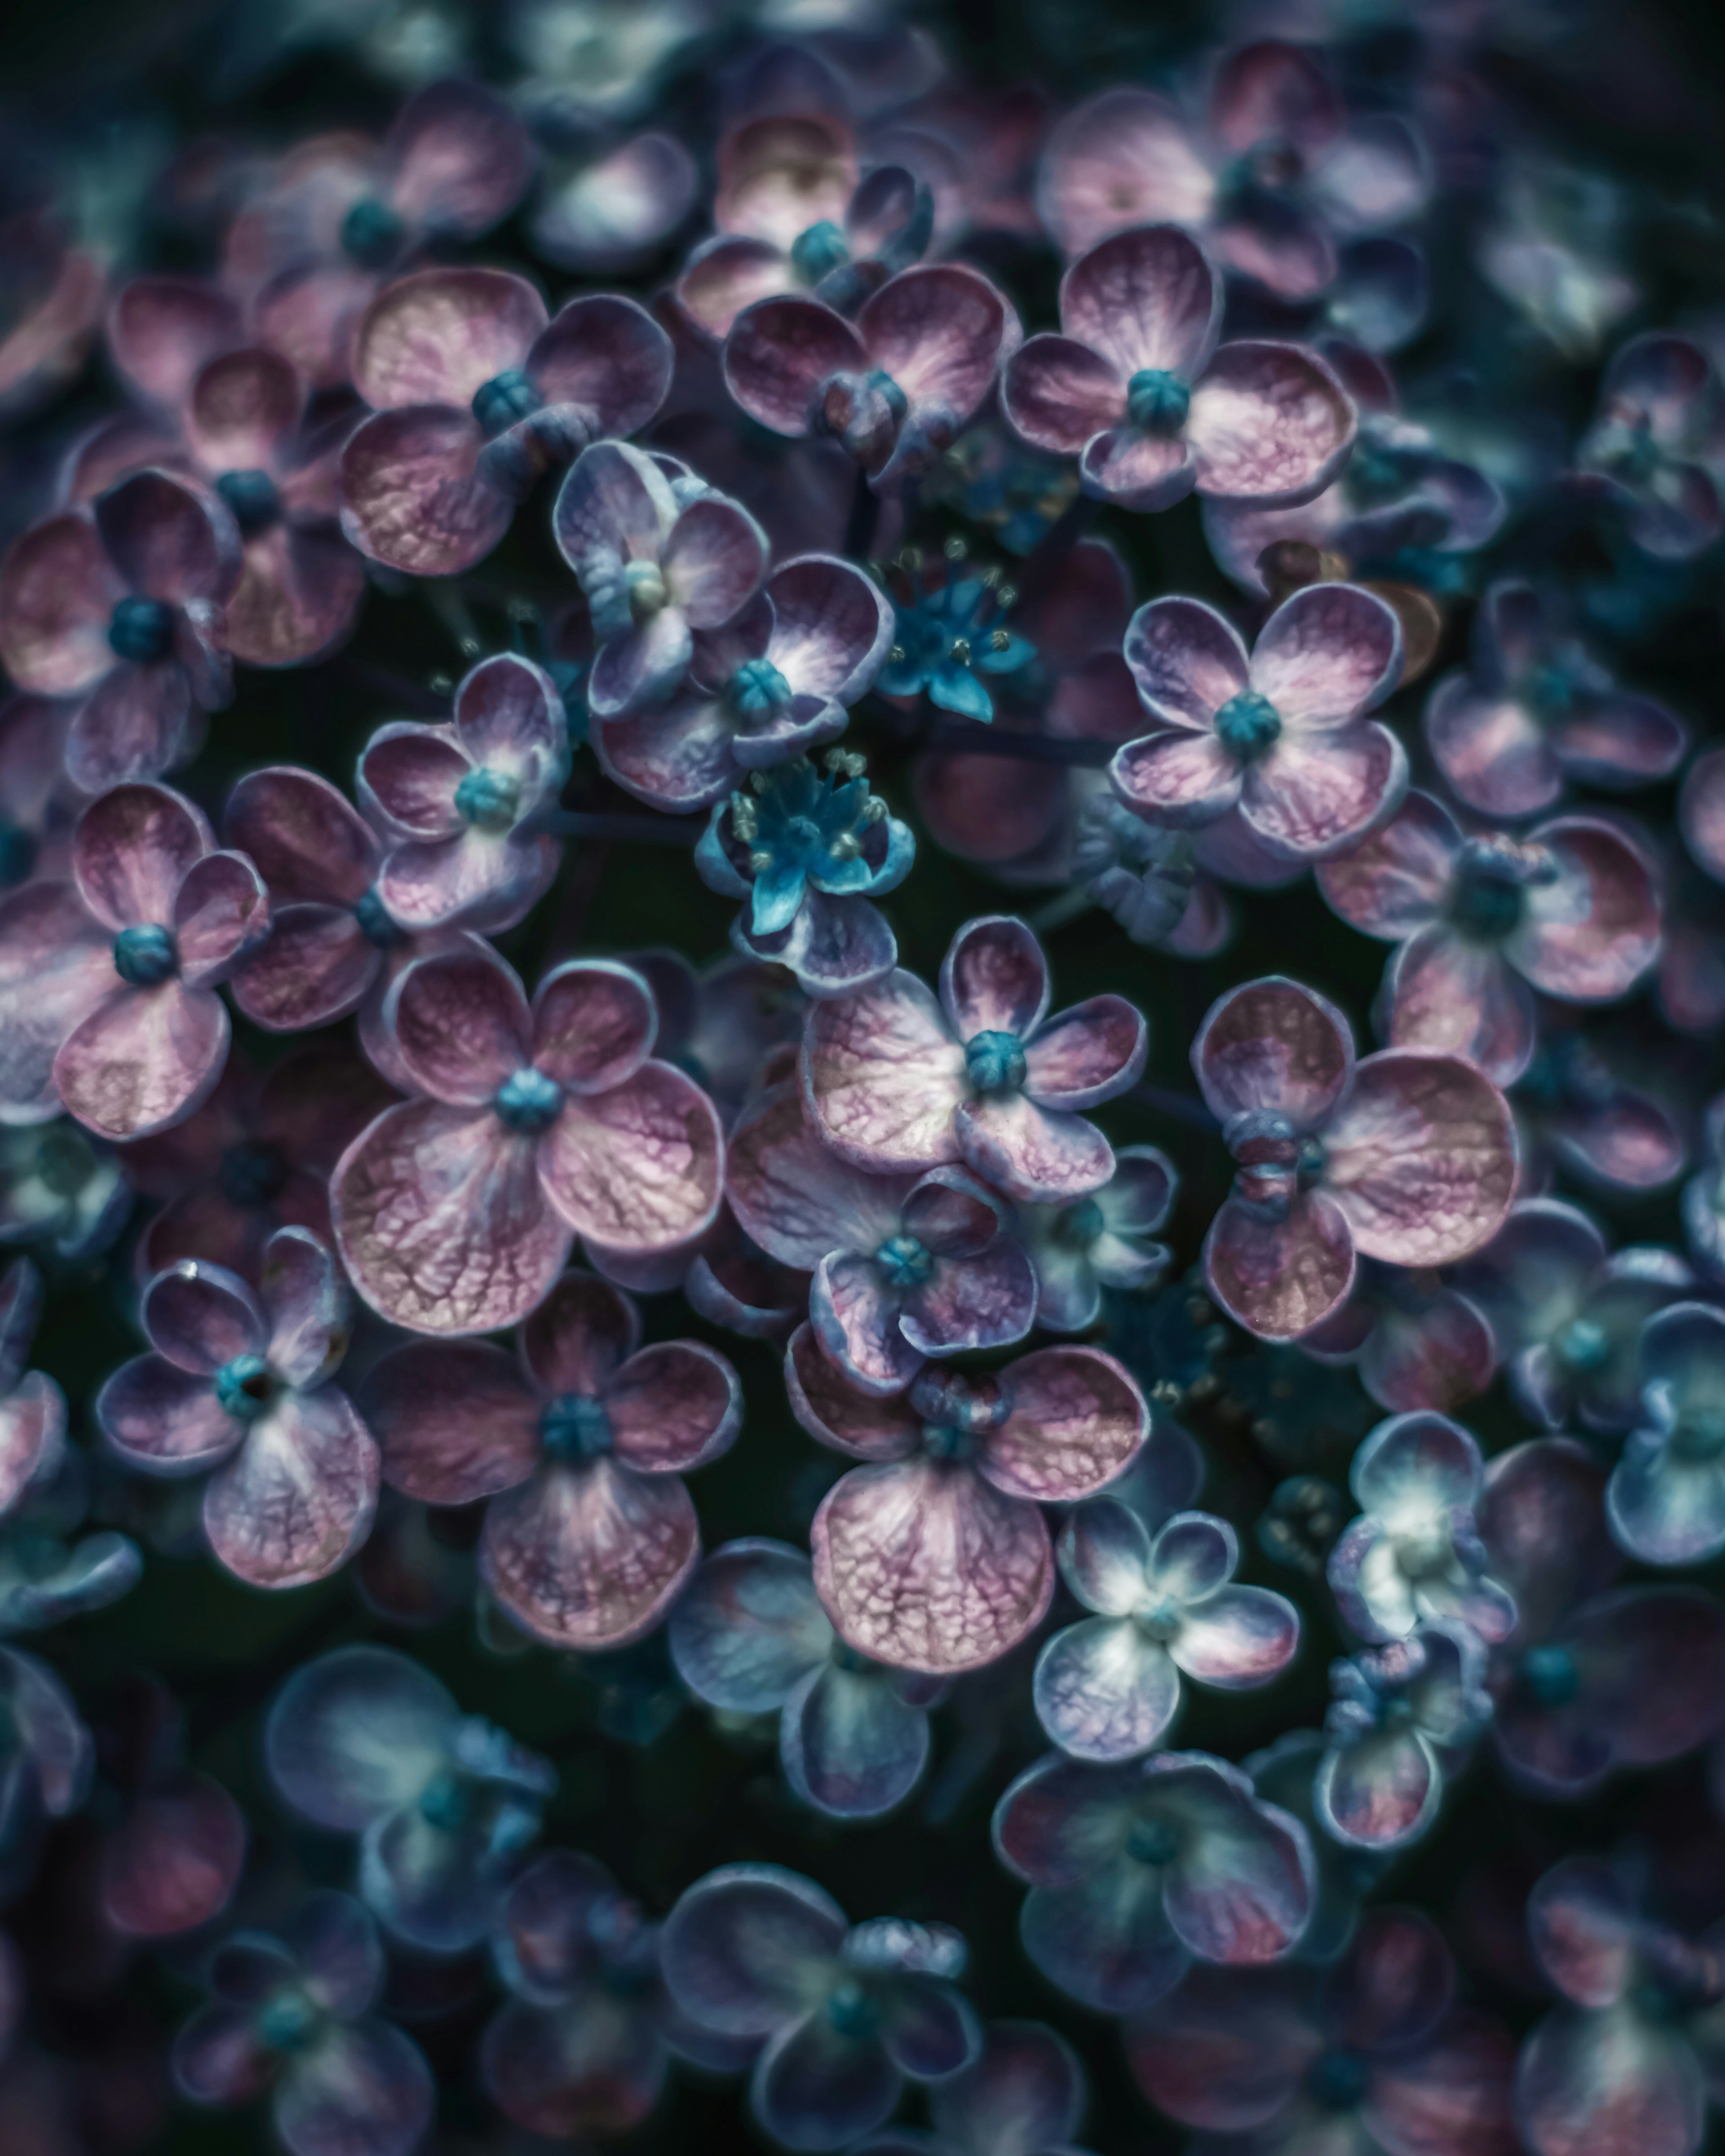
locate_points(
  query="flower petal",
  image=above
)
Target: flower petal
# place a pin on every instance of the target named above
(130, 851)
(594, 1025)
(849, 1746)
(461, 1026)
(1589, 935)
(937, 329)
(749, 1628)
(355, 1735)
(814, 2086)
(1590, 2080)
(1104, 1691)
(1421, 1160)
(1058, 393)
(639, 1166)
(1146, 298)
(1178, 779)
(881, 1075)
(453, 1421)
(436, 336)
(592, 1556)
(143, 1060)
(1396, 881)
(1491, 749)
(309, 844)
(1279, 1279)
(364, 2086)
(714, 560)
(1329, 653)
(1187, 660)
(1275, 1045)
(777, 354)
(162, 1420)
(1268, 424)
(1444, 992)
(796, 1197)
(673, 1406)
(57, 592)
(1077, 1420)
(741, 1945)
(412, 496)
(297, 1498)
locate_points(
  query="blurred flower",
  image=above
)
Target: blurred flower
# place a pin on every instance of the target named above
(1414, 1342)
(1659, 430)
(1400, 1717)
(1666, 1500)
(1103, 1240)
(32, 1407)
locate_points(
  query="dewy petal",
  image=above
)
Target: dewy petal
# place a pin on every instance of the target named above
(454, 1421)
(1104, 1691)
(1086, 1054)
(441, 1220)
(594, 1025)
(436, 336)
(936, 330)
(1491, 749)
(926, 1568)
(1178, 779)
(200, 1316)
(606, 356)
(849, 1746)
(143, 1060)
(461, 1026)
(53, 971)
(509, 716)
(855, 1318)
(1589, 935)
(220, 909)
(1123, 158)
(1279, 1279)
(412, 496)
(794, 1196)
(1077, 1420)
(994, 978)
(1058, 395)
(749, 1628)
(777, 354)
(672, 1407)
(832, 626)
(591, 1557)
(882, 1073)
(408, 777)
(297, 1498)
(1139, 471)
(1187, 660)
(1329, 652)
(1274, 1045)
(315, 966)
(987, 1300)
(1146, 298)
(163, 1420)
(1268, 424)
(739, 1949)
(130, 851)
(640, 1166)
(1395, 882)
(58, 592)
(1444, 992)
(169, 542)
(1421, 1160)
(615, 500)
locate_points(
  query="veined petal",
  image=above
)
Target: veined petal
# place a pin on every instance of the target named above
(297, 1498)
(591, 1557)
(1421, 1160)
(1268, 424)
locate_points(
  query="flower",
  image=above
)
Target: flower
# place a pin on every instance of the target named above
(1024, 2096)
(932, 1555)
(615, 213)
(1398, 1715)
(1414, 1556)
(1137, 1869)
(107, 980)
(294, 2014)
(1136, 386)
(239, 1383)
(119, 604)
(477, 392)
(1408, 1156)
(32, 1407)
(47, 1756)
(809, 855)
(895, 388)
(945, 639)
(1100, 1241)
(1109, 1687)
(1701, 812)
(454, 1213)
(748, 1636)
(1414, 1342)
(905, 1266)
(846, 2012)
(171, 1863)
(1536, 708)
(897, 1079)
(1704, 1200)
(1647, 453)
(1285, 1773)
(364, 1742)
(1282, 735)
(1666, 1500)
(579, 1447)
(775, 683)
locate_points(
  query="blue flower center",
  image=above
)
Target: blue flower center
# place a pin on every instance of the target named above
(852, 2012)
(498, 403)
(1156, 401)
(800, 824)
(1309, 1165)
(1551, 689)
(1151, 1841)
(488, 799)
(1078, 1226)
(644, 585)
(575, 1427)
(994, 1062)
(1247, 724)
(1488, 897)
(371, 233)
(446, 1801)
(1582, 1345)
(1338, 2078)
(817, 251)
(372, 915)
(244, 1387)
(17, 855)
(146, 956)
(288, 2019)
(904, 1262)
(945, 1441)
(141, 631)
(253, 498)
(528, 1103)
(252, 1174)
(1550, 1675)
(757, 691)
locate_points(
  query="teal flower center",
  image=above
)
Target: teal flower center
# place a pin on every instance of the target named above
(1158, 1620)
(528, 1103)
(245, 1388)
(446, 1801)
(1247, 725)
(575, 1427)
(145, 956)
(288, 2019)
(945, 1441)
(1156, 401)
(1488, 898)
(488, 799)
(1582, 1345)
(757, 691)
(852, 2012)
(372, 915)
(506, 398)
(371, 233)
(1550, 1675)
(141, 631)
(817, 251)
(1078, 1226)
(251, 1172)
(65, 1163)
(1151, 1841)
(994, 1062)
(253, 498)
(904, 1262)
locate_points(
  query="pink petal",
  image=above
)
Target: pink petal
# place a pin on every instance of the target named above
(1312, 795)
(1279, 1279)
(1293, 255)
(53, 971)
(241, 409)
(462, 1026)
(1589, 936)
(678, 756)
(1237, 1637)
(453, 1420)
(57, 592)
(308, 843)
(408, 774)
(856, 1319)
(1038, 1156)
(714, 561)
(882, 1075)
(594, 1025)
(581, 1335)
(987, 1300)
(1444, 992)
(989, 809)
(642, 666)
(1139, 471)
(1121, 159)
(615, 500)
(439, 335)
(1620, 739)
(133, 725)
(411, 493)
(299, 593)
(779, 174)
(1421, 1160)
(1272, 91)
(441, 1222)
(862, 1425)
(777, 354)
(926, 1568)
(728, 273)
(33, 1427)
(1491, 749)
(315, 966)
(309, 312)
(1177, 778)
(796, 1197)
(1396, 882)
(167, 541)
(462, 158)
(607, 358)
(1328, 653)
(640, 1166)
(1268, 424)
(672, 1407)
(1438, 1358)
(310, 1310)
(1104, 1691)
(936, 330)
(994, 978)
(162, 330)
(201, 1317)
(1058, 393)
(174, 1861)
(163, 1420)
(1274, 1045)
(589, 1558)
(482, 879)
(220, 908)
(1078, 1419)
(297, 1498)
(1608, 2082)
(144, 1059)
(1186, 661)
(1146, 298)
(1701, 813)
(831, 627)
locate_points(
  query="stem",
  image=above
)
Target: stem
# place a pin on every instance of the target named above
(970, 739)
(1071, 904)
(1181, 1106)
(864, 513)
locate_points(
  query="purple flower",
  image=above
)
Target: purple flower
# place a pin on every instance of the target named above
(1701, 813)
(656, 566)
(1138, 1869)
(1576, 1114)
(120, 606)
(733, 1025)
(363, 1741)
(1649, 451)
(810, 855)
(1370, 2056)
(896, 387)
(749, 1636)
(35, 799)
(1285, 1773)
(32, 1407)
(1537, 709)
(107, 982)
(171, 1863)
(579, 1445)
(1399, 1716)
(1414, 1556)
(478, 393)
(775, 683)
(1025, 2095)
(1135, 387)
(240, 1384)
(50, 1761)
(897, 1079)
(1100, 1241)
(615, 213)
(905, 1266)
(1594, 1677)
(933, 1555)
(847, 2013)
(293, 2016)
(1629, 2050)
(1566, 1318)
(454, 1213)
(1666, 1500)
(1407, 1157)
(1281, 735)
(1416, 1342)
(1109, 1687)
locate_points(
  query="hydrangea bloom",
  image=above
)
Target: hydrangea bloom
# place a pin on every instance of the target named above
(845, 2013)
(454, 1212)
(1666, 1496)
(899, 1079)
(1105, 1240)
(107, 980)
(364, 1742)
(120, 606)
(933, 1556)
(1139, 1869)
(1136, 386)
(1408, 1156)
(1282, 735)
(589, 1532)
(749, 1636)
(1399, 1715)
(1655, 434)
(905, 1266)
(32, 1407)
(477, 392)
(239, 1383)
(1109, 1687)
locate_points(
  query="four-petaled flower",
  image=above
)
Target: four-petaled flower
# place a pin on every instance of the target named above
(1399, 1717)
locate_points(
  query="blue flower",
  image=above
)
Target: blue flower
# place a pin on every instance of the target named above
(947, 637)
